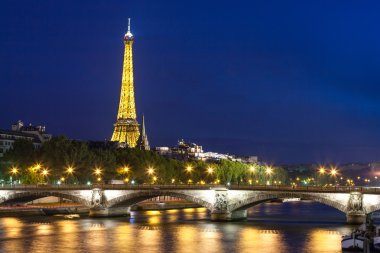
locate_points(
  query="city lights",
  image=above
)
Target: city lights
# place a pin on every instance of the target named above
(189, 169)
(70, 170)
(14, 170)
(45, 172)
(97, 172)
(333, 172)
(268, 170)
(150, 170)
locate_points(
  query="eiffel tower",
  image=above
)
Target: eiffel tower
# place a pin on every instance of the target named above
(126, 130)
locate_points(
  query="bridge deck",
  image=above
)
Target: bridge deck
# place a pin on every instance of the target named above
(331, 189)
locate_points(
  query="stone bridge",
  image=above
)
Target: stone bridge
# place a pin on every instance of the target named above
(224, 203)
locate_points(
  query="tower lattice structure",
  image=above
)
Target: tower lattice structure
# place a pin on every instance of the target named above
(126, 130)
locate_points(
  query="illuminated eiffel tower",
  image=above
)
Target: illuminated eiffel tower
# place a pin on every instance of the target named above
(126, 130)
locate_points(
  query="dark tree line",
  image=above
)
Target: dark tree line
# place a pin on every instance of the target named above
(60, 153)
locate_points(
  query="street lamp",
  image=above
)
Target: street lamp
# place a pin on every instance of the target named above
(268, 172)
(210, 170)
(125, 169)
(70, 170)
(14, 170)
(189, 169)
(252, 168)
(98, 173)
(333, 172)
(321, 172)
(150, 171)
(45, 172)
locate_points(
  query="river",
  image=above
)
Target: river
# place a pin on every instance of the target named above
(271, 227)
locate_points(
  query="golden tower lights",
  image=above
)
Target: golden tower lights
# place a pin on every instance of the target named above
(126, 130)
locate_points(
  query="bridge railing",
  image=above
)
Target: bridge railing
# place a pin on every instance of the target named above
(343, 189)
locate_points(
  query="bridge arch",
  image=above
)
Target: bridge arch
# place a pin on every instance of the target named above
(25, 197)
(256, 199)
(136, 197)
(372, 208)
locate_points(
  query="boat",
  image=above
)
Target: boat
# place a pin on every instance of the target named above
(376, 239)
(376, 243)
(291, 200)
(353, 243)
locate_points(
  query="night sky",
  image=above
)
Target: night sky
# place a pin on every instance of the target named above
(289, 81)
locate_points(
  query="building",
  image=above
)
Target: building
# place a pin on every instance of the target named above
(126, 129)
(36, 134)
(143, 143)
(188, 151)
(183, 151)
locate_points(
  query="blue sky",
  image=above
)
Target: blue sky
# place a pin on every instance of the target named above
(289, 81)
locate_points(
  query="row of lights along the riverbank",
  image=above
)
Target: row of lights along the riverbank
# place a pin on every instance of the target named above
(38, 169)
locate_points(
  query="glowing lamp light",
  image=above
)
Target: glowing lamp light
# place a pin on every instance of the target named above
(210, 170)
(268, 170)
(14, 170)
(322, 171)
(70, 170)
(150, 171)
(98, 171)
(45, 172)
(126, 169)
(252, 168)
(189, 168)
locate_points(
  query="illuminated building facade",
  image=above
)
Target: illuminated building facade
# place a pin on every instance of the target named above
(35, 134)
(126, 129)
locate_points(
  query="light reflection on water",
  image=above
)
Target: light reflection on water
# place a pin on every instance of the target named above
(271, 227)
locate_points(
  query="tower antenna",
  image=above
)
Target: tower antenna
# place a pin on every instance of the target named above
(129, 24)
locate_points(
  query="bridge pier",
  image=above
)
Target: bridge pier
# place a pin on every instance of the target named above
(110, 212)
(99, 206)
(221, 211)
(229, 216)
(356, 218)
(355, 211)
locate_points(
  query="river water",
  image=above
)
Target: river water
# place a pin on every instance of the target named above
(271, 227)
